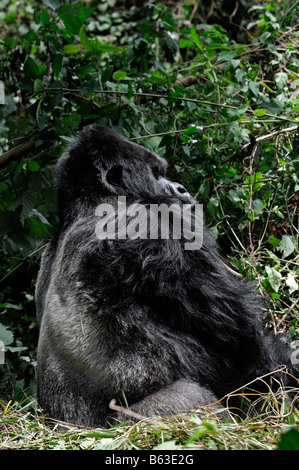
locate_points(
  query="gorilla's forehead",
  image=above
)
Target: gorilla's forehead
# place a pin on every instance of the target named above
(106, 138)
(148, 156)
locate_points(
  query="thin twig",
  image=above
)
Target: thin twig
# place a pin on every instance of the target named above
(125, 411)
(271, 134)
(228, 223)
(23, 261)
(251, 211)
(273, 196)
(286, 314)
(156, 95)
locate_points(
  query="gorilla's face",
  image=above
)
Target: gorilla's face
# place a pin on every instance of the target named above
(101, 163)
(141, 170)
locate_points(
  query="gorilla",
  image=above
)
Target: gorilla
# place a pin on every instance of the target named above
(140, 318)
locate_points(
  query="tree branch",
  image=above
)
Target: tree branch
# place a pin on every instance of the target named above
(16, 153)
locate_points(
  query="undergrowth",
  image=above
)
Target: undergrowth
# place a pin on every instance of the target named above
(24, 427)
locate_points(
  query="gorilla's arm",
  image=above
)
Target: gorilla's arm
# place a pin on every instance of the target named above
(180, 396)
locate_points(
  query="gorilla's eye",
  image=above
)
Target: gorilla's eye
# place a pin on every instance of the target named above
(114, 175)
(156, 171)
(181, 189)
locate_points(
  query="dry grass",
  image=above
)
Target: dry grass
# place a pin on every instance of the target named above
(22, 426)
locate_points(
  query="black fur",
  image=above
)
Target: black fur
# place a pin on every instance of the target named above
(169, 328)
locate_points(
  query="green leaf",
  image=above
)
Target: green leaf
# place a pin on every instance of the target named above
(37, 228)
(289, 439)
(119, 75)
(272, 106)
(231, 172)
(259, 112)
(66, 139)
(168, 22)
(16, 348)
(214, 232)
(255, 178)
(212, 206)
(73, 16)
(42, 70)
(45, 18)
(107, 73)
(236, 195)
(274, 278)
(71, 49)
(185, 42)
(13, 306)
(87, 443)
(240, 75)
(40, 216)
(235, 63)
(264, 37)
(241, 109)
(6, 336)
(171, 43)
(227, 55)
(153, 143)
(254, 87)
(53, 4)
(31, 69)
(274, 241)
(38, 85)
(167, 445)
(32, 165)
(85, 41)
(196, 38)
(203, 429)
(57, 63)
(204, 190)
(3, 186)
(105, 47)
(27, 200)
(287, 245)
(291, 282)
(192, 128)
(8, 222)
(72, 24)
(281, 79)
(257, 205)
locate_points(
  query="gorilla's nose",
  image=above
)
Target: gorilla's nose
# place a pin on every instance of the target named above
(178, 188)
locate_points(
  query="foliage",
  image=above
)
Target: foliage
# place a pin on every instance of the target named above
(221, 105)
(289, 439)
(22, 427)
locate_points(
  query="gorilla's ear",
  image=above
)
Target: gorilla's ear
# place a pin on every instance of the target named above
(114, 175)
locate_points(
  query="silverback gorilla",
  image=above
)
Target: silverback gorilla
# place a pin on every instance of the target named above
(170, 329)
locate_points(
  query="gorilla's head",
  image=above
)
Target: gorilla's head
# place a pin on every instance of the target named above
(101, 163)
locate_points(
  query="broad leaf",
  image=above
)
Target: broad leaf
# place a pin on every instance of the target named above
(287, 245)
(274, 278)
